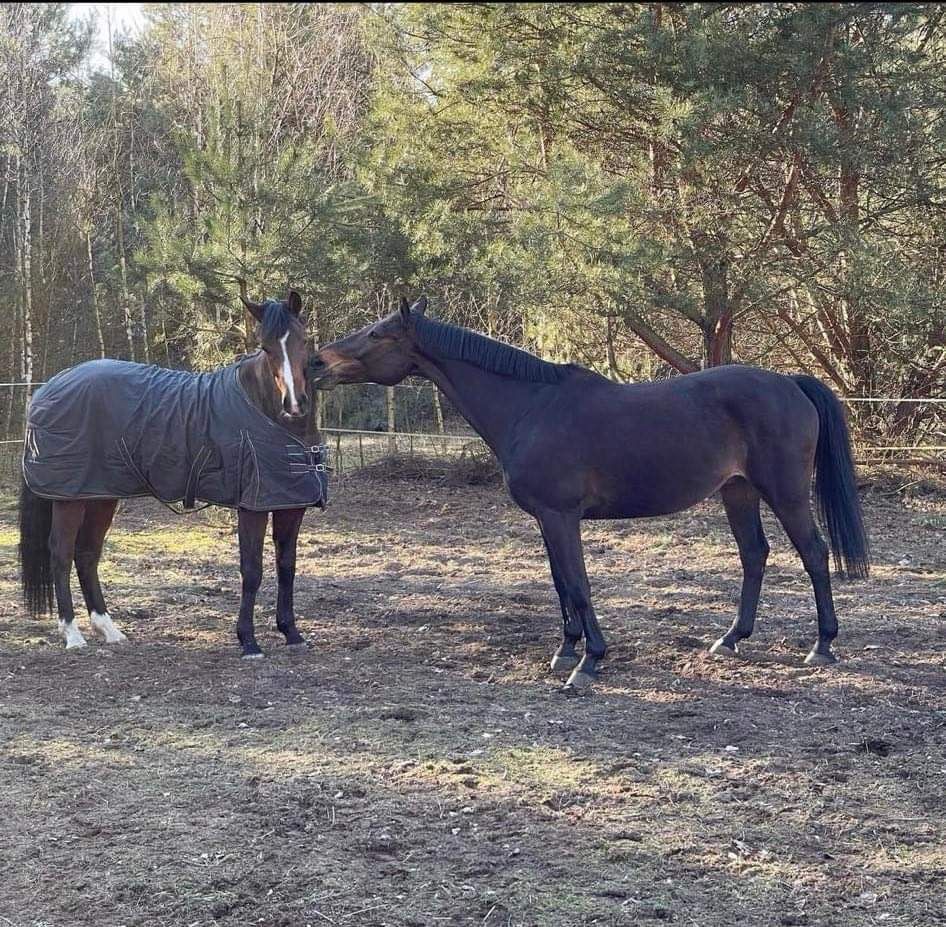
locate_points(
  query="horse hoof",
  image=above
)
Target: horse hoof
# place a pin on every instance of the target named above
(579, 681)
(817, 658)
(253, 656)
(71, 635)
(104, 627)
(722, 650)
(563, 663)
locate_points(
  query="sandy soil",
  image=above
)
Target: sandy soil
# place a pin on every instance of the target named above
(419, 765)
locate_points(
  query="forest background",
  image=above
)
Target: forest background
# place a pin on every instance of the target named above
(640, 188)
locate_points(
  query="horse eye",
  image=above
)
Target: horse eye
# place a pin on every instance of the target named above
(374, 334)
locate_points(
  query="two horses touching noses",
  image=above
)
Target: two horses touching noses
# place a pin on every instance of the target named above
(572, 445)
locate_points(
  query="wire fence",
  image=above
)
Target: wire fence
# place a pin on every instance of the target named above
(357, 427)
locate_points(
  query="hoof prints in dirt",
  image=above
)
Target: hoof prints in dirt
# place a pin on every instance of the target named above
(419, 765)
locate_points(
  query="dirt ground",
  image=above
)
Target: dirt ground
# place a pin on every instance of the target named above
(420, 766)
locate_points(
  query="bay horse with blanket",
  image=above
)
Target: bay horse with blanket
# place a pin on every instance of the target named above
(106, 430)
(575, 445)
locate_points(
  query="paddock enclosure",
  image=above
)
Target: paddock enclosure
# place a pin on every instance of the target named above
(419, 765)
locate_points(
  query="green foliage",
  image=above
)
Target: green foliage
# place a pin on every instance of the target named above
(635, 187)
(721, 182)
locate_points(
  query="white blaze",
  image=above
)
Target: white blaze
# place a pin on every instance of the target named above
(105, 627)
(287, 375)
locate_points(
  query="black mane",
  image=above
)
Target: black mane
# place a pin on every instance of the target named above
(455, 343)
(276, 320)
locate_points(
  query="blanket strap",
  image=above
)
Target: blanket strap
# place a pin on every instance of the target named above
(193, 478)
(188, 510)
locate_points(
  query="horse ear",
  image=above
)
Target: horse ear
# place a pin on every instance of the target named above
(405, 309)
(294, 301)
(420, 307)
(254, 309)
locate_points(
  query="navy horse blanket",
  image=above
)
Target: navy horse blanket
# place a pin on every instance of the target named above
(110, 429)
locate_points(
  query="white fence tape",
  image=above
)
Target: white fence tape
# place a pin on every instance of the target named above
(444, 439)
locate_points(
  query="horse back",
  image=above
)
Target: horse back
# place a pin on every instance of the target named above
(111, 429)
(630, 450)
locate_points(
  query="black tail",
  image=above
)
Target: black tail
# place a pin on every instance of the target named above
(835, 483)
(36, 519)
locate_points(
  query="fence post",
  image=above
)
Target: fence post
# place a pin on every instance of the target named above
(438, 408)
(392, 440)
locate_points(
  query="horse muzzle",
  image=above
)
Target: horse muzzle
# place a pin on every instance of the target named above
(320, 376)
(326, 376)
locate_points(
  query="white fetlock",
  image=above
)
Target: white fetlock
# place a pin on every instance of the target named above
(105, 627)
(723, 650)
(71, 635)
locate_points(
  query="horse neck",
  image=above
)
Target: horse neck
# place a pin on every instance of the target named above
(491, 403)
(261, 388)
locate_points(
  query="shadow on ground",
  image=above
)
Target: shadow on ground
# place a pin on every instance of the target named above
(419, 766)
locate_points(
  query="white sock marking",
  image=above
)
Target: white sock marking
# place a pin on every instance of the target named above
(71, 635)
(104, 626)
(287, 376)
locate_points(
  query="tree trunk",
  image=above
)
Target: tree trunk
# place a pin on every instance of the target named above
(41, 258)
(718, 311)
(860, 360)
(612, 354)
(655, 147)
(143, 305)
(26, 279)
(120, 198)
(96, 315)
(717, 340)
(167, 341)
(16, 359)
(126, 296)
(145, 336)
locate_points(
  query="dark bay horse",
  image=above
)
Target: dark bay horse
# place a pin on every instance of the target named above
(574, 445)
(242, 436)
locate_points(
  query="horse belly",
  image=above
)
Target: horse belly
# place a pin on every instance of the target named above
(655, 486)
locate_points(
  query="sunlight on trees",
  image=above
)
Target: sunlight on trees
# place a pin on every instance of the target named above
(640, 189)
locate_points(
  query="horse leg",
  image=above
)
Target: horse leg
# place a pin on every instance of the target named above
(795, 516)
(286, 524)
(563, 538)
(66, 521)
(565, 659)
(252, 531)
(741, 501)
(98, 519)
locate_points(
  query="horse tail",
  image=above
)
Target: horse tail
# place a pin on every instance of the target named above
(36, 520)
(835, 483)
